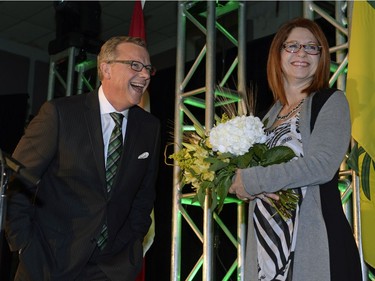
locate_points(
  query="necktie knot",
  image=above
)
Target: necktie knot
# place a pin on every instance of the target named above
(117, 117)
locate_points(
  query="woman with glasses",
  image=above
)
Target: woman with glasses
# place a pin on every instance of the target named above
(316, 243)
(96, 155)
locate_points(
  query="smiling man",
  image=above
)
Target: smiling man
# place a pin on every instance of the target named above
(97, 157)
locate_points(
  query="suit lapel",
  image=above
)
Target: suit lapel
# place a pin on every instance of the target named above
(131, 137)
(131, 133)
(93, 122)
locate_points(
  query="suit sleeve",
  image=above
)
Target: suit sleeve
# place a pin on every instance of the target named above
(34, 151)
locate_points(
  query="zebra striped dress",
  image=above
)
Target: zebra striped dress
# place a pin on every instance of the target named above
(276, 238)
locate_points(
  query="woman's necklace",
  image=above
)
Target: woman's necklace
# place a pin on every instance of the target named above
(286, 116)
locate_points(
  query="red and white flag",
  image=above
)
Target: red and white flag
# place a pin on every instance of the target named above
(137, 29)
(137, 24)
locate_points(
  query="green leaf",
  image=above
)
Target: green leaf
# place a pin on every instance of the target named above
(222, 189)
(361, 150)
(266, 122)
(216, 164)
(353, 158)
(259, 149)
(277, 155)
(190, 146)
(353, 163)
(214, 202)
(250, 158)
(207, 184)
(200, 131)
(365, 176)
(200, 194)
(243, 161)
(225, 155)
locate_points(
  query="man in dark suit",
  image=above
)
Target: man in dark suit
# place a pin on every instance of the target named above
(57, 226)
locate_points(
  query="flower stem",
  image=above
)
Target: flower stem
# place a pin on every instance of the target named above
(286, 204)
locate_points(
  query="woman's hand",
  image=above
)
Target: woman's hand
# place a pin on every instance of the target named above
(267, 196)
(238, 189)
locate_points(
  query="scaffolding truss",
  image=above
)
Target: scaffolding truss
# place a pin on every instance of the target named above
(69, 67)
(205, 98)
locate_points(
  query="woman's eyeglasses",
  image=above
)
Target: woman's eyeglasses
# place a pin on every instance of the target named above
(294, 47)
(136, 65)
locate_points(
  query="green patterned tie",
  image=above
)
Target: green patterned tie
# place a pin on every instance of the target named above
(114, 149)
(113, 157)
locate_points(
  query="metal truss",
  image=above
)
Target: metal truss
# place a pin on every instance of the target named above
(65, 67)
(205, 98)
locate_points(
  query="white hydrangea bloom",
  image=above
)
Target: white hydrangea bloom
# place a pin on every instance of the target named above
(237, 135)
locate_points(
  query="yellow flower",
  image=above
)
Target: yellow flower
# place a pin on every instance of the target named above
(204, 167)
(208, 176)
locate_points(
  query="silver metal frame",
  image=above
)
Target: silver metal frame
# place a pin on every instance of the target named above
(67, 79)
(311, 10)
(210, 90)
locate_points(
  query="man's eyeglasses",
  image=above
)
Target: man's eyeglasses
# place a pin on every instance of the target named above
(294, 47)
(136, 65)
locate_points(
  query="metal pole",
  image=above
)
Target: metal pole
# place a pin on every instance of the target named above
(357, 223)
(176, 215)
(241, 240)
(210, 64)
(341, 39)
(242, 51)
(70, 74)
(209, 119)
(208, 247)
(51, 80)
(241, 217)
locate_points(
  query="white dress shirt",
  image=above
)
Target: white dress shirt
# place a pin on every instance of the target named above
(107, 122)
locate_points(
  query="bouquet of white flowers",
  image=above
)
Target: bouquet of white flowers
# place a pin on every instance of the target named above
(234, 143)
(237, 135)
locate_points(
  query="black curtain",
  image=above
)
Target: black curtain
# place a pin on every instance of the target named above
(13, 112)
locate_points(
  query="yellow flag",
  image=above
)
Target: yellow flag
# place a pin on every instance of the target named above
(360, 91)
(360, 86)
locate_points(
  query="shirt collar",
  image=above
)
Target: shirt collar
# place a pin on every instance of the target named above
(106, 107)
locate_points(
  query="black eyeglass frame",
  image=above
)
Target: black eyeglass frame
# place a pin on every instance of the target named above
(285, 45)
(133, 65)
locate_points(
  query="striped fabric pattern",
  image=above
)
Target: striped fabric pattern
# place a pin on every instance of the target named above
(114, 149)
(113, 157)
(276, 237)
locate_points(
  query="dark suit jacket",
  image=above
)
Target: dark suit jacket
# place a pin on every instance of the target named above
(57, 229)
